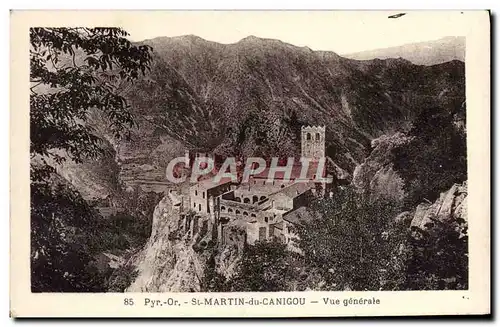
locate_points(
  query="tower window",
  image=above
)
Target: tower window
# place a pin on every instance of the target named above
(308, 136)
(196, 193)
(317, 136)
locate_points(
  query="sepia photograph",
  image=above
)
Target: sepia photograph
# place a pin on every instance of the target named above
(221, 159)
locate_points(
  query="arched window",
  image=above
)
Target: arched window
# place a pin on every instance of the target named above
(246, 200)
(252, 215)
(229, 210)
(194, 205)
(308, 136)
(203, 194)
(282, 185)
(266, 219)
(223, 208)
(196, 192)
(262, 198)
(238, 199)
(245, 213)
(317, 137)
(238, 212)
(255, 198)
(199, 207)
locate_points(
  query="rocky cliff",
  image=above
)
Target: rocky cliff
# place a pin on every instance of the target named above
(167, 264)
(175, 260)
(450, 207)
(375, 175)
(250, 98)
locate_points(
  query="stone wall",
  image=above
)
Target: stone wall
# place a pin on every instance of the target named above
(313, 141)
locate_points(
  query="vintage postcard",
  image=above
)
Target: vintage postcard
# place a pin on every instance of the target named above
(250, 163)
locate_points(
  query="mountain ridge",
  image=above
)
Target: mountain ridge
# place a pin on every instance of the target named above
(420, 53)
(250, 97)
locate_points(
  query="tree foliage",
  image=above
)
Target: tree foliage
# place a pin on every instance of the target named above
(358, 245)
(213, 281)
(434, 159)
(121, 278)
(59, 256)
(350, 241)
(439, 258)
(265, 267)
(124, 231)
(73, 72)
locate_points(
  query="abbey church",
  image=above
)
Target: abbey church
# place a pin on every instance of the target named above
(263, 208)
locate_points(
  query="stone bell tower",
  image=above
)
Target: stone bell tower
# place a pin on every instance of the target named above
(313, 142)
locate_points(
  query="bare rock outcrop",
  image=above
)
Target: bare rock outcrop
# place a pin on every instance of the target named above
(174, 260)
(451, 206)
(228, 258)
(158, 259)
(376, 174)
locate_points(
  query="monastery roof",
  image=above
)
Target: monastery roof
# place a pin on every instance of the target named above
(279, 225)
(312, 170)
(275, 210)
(298, 216)
(295, 189)
(209, 182)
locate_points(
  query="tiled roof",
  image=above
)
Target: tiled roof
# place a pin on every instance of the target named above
(295, 189)
(279, 225)
(312, 170)
(209, 182)
(299, 215)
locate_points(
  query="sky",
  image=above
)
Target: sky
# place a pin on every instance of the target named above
(340, 31)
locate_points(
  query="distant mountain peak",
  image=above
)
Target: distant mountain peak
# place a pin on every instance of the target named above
(189, 37)
(250, 38)
(421, 53)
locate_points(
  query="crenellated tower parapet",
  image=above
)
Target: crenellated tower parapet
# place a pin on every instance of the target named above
(313, 142)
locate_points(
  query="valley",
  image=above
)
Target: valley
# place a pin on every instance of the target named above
(252, 99)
